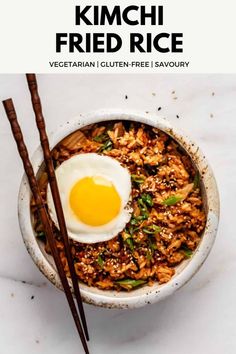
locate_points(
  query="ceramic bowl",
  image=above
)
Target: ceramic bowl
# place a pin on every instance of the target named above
(145, 294)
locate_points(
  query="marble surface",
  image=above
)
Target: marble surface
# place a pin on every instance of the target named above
(199, 318)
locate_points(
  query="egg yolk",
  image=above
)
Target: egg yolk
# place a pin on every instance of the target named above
(95, 201)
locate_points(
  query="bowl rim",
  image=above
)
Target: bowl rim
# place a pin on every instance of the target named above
(146, 294)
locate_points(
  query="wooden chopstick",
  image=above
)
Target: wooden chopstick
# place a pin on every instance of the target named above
(33, 87)
(16, 130)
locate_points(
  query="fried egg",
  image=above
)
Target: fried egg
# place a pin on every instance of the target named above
(95, 191)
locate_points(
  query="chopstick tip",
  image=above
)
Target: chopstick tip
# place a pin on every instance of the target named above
(7, 100)
(8, 105)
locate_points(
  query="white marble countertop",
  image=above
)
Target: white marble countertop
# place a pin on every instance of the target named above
(199, 318)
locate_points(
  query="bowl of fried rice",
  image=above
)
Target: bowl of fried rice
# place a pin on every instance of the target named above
(175, 210)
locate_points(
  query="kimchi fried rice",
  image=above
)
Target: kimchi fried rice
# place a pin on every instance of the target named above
(168, 216)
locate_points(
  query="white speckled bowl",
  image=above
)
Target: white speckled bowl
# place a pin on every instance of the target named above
(145, 294)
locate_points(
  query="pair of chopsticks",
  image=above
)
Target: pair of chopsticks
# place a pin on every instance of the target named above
(16, 130)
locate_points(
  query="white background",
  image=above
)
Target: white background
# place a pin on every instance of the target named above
(199, 318)
(28, 28)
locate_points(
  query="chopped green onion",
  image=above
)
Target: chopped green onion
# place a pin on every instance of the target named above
(40, 234)
(156, 228)
(131, 229)
(100, 261)
(130, 283)
(137, 179)
(152, 246)
(172, 200)
(142, 205)
(149, 255)
(130, 243)
(133, 221)
(136, 219)
(147, 199)
(152, 229)
(188, 253)
(144, 216)
(196, 180)
(148, 231)
(107, 146)
(101, 138)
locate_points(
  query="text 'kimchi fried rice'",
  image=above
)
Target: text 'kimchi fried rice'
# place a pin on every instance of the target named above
(168, 215)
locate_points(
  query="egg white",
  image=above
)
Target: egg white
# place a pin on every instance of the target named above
(90, 165)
